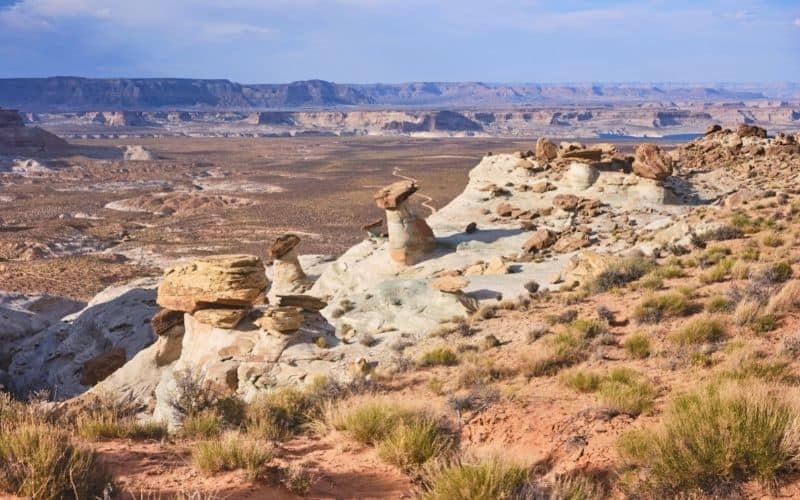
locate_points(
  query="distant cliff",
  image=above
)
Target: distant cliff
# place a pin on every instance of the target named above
(87, 94)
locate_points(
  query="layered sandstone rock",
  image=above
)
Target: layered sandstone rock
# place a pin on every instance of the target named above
(410, 237)
(220, 289)
(652, 162)
(168, 326)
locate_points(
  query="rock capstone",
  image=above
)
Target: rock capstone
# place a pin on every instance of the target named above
(410, 237)
(652, 162)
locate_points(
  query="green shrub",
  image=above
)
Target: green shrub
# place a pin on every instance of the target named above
(370, 422)
(40, 461)
(778, 272)
(588, 328)
(415, 441)
(559, 351)
(489, 479)
(718, 304)
(718, 436)
(619, 273)
(581, 380)
(655, 308)
(231, 452)
(764, 323)
(699, 331)
(637, 345)
(440, 356)
(772, 240)
(203, 424)
(718, 273)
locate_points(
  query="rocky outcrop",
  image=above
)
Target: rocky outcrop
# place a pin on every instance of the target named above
(219, 290)
(137, 153)
(651, 162)
(546, 150)
(410, 237)
(14, 133)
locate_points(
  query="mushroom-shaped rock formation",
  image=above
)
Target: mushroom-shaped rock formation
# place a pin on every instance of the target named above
(410, 237)
(225, 285)
(287, 275)
(652, 162)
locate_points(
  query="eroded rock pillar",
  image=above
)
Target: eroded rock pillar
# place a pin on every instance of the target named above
(410, 237)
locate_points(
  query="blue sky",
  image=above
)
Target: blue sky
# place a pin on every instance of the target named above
(255, 41)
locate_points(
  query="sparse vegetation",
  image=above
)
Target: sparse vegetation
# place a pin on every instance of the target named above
(621, 390)
(656, 308)
(619, 273)
(698, 331)
(440, 356)
(637, 345)
(415, 441)
(230, 452)
(475, 480)
(722, 434)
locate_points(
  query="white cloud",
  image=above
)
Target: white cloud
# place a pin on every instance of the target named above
(797, 22)
(230, 29)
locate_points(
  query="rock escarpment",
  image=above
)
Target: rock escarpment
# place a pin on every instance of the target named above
(14, 133)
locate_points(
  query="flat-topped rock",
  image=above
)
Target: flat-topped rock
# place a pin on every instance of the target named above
(394, 195)
(222, 317)
(306, 302)
(283, 244)
(283, 319)
(227, 280)
(449, 284)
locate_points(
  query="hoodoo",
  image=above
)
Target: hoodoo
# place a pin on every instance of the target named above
(410, 237)
(288, 276)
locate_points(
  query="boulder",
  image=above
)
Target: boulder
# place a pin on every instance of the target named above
(282, 319)
(163, 321)
(745, 130)
(713, 128)
(566, 202)
(581, 176)
(449, 284)
(137, 153)
(541, 239)
(546, 150)
(206, 282)
(652, 162)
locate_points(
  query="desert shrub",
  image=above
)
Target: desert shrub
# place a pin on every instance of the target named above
(754, 366)
(717, 273)
(778, 272)
(718, 304)
(581, 380)
(191, 395)
(369, 422)
(281, 414)
(721, 233)
(562, 318)
(786, 300)
(415, 441)
(791, 346)
(575, 487)
(740, 270)
(746, 312)
(40, 461)
(482, 370)
(651, 281)
(699, 331)
(750, 252)
(720, 435)
(655, 308)
(621, 390)
(297, 480)
(477, 480)
(588, 328)
(231, 452)
(630, 396)
(772, 240)
(204, 424)
(713, 255)
(637, 345)
(670, 271)
(619, 273)
(440, 356)
(764, 323)
(559, 351)
(105, 416)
